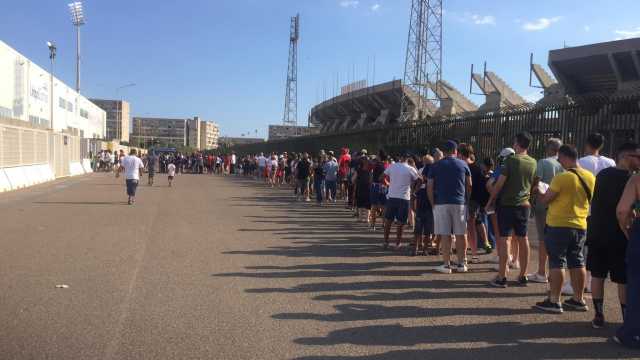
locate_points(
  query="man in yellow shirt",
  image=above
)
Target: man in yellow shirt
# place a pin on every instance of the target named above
(568, 197)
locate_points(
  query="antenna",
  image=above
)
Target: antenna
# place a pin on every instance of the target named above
(290, 116)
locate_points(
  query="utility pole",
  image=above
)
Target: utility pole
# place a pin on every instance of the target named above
(423, 60)
(290, 116)
(77, 17)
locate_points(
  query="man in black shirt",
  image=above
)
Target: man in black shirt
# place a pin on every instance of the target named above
(303, 172)
(607, 243)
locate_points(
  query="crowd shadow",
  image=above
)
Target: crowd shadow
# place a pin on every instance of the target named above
(329, 232)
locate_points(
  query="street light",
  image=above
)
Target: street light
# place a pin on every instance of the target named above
(52, 56)
(77, 18)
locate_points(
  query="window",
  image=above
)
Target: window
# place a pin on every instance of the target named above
(84, 113)
(69, 106)
(62, 103)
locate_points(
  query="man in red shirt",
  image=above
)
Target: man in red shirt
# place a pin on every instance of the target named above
(343, 169)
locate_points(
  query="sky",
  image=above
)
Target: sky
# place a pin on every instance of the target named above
(226, 60)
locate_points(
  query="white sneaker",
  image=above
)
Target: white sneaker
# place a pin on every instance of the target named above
(567, 289)
(462, 268)
(443, 269)
(537, 278)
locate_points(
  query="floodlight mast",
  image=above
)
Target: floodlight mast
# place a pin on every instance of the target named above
(77, 18)
(290, 116)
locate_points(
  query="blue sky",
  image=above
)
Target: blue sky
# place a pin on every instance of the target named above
(225, 60)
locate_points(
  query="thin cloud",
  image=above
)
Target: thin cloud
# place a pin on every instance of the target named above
(349, 3)
(475, 19)
(375, 7)
(627, 34)
(587, 28)
(540, 24)
(483, 20)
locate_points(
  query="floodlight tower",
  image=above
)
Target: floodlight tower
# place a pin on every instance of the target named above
(423, 60)
(291, 98)
(77, 17)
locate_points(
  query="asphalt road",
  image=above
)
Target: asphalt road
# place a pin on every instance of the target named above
(225, 268)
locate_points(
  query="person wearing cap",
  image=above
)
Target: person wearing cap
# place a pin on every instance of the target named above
(401, 177)
(513, 208)
(448, 188)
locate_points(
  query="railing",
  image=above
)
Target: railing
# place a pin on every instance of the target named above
(618, 119)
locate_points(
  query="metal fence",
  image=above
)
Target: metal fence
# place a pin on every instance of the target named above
(618, 119)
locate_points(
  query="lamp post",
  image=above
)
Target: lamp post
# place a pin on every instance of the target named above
(119, 119)
(77, 17)
(52, 56)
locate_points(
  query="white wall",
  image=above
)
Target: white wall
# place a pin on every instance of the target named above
(25, 95)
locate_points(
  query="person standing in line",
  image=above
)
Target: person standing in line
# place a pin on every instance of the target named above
(303, 173)
(627, 213)
(514, 187)
(362, 182)
(593, 161)
(319, 179)
(448, 189)
(171, 172)
(546, 170)
(331, 177)
(477, 200)
(568, 198)
(423, 230)
(343, 163)
(132, 167)
(379, 186)
(401, 177)
(607, 243)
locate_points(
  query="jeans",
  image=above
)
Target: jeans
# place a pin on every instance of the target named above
(318, 185)
(331, 186)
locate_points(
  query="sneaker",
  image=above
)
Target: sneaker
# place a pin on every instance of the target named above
(443, 269)
(550, 307)
(462, 268)
(576, 305)
(537, 278)
(598, 322)
(567, 289)
(523, 281)
(499, 283)
(488, 249)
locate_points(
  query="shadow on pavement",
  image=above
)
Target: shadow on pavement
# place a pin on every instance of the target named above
(330, 232)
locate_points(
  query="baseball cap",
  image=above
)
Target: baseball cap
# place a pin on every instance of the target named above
(506, 152)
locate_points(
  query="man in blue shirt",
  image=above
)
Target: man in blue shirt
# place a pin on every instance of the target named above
(331, 177)
(448, 188)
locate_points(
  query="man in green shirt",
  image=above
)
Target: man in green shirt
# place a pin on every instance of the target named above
(513, 209)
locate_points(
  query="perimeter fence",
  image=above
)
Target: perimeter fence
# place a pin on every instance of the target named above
(618, 119)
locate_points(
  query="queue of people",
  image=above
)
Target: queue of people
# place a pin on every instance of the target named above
(585, 210)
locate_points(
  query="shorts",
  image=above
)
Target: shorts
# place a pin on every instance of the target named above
(513, 219)
(608, 259)
(132, 186)
(424, 223)
(378, 194)
(450, 219)
(565, 247)
(397, 209)
(303, 185)
(170, 177)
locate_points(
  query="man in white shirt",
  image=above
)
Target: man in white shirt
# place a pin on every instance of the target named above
(262, 164)
(401, 177)
(593, 161)
(233, 163)
(132, 167)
